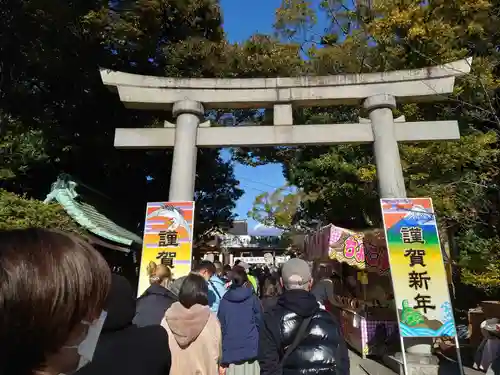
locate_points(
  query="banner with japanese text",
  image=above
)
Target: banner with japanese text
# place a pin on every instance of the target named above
(168, 239)
(418, 274)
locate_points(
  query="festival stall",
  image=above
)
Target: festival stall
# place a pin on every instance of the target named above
(363, 301)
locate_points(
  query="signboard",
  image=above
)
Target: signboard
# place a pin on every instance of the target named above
(262, 260)
(229, 240)
(251, 260)
(232, 240)
(168, 236)
(418, 274)
(360, 250)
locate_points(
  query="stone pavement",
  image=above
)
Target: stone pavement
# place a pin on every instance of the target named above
(451, 368)
(360, 366)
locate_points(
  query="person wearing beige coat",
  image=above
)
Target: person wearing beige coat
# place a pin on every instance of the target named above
(194, 332)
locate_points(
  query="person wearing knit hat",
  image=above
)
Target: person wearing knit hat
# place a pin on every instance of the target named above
(298, 335)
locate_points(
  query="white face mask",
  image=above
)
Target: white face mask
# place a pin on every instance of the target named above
(86, 348)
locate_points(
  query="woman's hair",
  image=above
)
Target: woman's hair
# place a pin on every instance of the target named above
(159, 274)
(194, 290)
(239, 276)
(272, 288)
(50, 282)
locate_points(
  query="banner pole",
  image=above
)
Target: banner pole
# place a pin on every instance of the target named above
(403, 355)
(459, 356)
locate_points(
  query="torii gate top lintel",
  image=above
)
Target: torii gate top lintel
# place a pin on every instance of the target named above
(150, 92)
(378, 92)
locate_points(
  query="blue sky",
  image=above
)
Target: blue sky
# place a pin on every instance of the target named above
(241, 20)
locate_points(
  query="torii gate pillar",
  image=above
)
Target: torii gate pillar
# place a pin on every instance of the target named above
(391, 182)
(189, 115)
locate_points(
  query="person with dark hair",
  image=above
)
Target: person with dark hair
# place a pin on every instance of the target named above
(270, 293)
(193, 292)
(149, 345)
(175, 286)
(298, 336)
(53, 287)
(239, 316)
(194, 332)
(216, 287)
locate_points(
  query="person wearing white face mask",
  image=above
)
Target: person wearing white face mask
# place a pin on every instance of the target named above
(53, 287)
(124, 348)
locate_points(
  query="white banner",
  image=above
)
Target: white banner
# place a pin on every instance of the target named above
(262, 260)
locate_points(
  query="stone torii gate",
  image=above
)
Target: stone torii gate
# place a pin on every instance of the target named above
(377, 92)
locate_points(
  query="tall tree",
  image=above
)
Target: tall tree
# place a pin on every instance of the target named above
(462, 176)
(58, 117)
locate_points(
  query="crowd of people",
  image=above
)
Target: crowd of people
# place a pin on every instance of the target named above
(64, 312)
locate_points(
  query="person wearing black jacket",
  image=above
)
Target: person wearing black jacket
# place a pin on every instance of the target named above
(153, 303)
(298, 337)
(123, 348)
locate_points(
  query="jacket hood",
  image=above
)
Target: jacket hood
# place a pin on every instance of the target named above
(155, 289)
(217, 280)
(186, 324)
(120, 304)
(238, 293)
(301, 302)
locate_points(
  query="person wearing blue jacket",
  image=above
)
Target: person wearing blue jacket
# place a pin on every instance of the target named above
(216, 287)
(239, 316)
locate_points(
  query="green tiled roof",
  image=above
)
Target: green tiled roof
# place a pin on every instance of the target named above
(64, 192)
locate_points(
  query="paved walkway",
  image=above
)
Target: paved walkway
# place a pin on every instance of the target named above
(451, 368)
(360, 366)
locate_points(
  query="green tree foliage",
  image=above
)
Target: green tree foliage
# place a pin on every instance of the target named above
(462, 177)
(19, 148)
(20, 212)
(56, 115)
(277, 209)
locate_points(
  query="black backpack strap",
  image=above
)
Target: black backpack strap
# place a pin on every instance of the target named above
(215, 289)
(298, 338)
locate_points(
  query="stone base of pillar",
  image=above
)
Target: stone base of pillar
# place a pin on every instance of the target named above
(418, 345)
(419, 358)
(416, 364)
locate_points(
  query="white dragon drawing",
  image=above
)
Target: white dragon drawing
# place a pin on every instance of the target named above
(175, 217)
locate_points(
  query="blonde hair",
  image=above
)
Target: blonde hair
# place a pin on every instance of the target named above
(159, 274)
